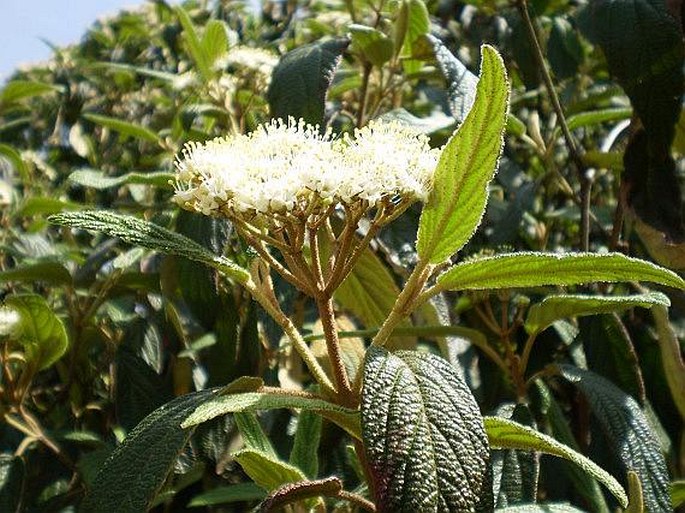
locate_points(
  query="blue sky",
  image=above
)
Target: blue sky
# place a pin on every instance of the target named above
(24, 22)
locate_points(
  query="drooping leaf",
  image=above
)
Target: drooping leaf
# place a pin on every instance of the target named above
(301, 79)
(467, 164)
(461, 83)
(628, 432)
(503, 433)
(98, 180)
(512, 270)
(41, 332)
(256, 401)
(374, 45)
(125, 128)
(149, 235)
(305, 452)
(267, 470)
(228, 494)
(131, 477)
(422, 433)
(544, 314)
(48, 271)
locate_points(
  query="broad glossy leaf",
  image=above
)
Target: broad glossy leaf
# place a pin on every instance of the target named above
(467, 164)
(507, 434)
(374, 45)
(149, 235)
(515, 270)
(131, 477)
(42, 333)
(422, 433)
(98, 180)
(255, 401)
(267, 470)
(553, 308)
(628, 433)
(301, 79)
(228, 494)
(125, 128)
(47, 271)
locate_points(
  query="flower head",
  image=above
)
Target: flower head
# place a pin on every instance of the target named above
(291, 166)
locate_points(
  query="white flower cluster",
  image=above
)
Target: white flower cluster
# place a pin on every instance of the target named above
(254, 63)
(9, 321)
(286, 166)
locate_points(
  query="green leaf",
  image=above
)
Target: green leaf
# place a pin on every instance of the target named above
(540, 508)
(308, 491)
(412, 22)
(195, 47)
(374, 45)
(215, 41)
(678, 493)
(564, 50)
(256, 401)
(228, 494)
(17, 161)
(305, 452)
(125, 128)
(267, 470)
(516, 270)
(47, 271)
(422, 432)
(596, 117)
(18, 90)
(252, 433)
(628, 433)
(41, 332)
(301, 79)
(553, 308)
(507, 434)
(149, 235)
(467, 164)
(98, 180)
(133, 474)
(671, 357)
(43, 205)
(12, 483)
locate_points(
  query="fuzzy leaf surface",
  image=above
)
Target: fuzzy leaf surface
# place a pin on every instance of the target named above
(516, 270)
(131, 477)
(466, 166)
(422, 432)
(628, 433)
(507, 434)
(148, 235)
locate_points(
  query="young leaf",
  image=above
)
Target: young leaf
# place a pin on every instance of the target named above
(422, 432)
(514, 270)
(252, 433)
(267, 470)
(41, 332)
(507, 434)
(467, 164)
(296, 492)
(149, 235)
(553, 308)
(130, 478)
(305, 452)
(628, 433)
(255, 401)
(124, 127)
(301, 79)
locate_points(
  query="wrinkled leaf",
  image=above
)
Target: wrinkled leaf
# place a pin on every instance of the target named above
(628, 433)
(512, 270)
(467, 164)
(98, 180)
(422, 433)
